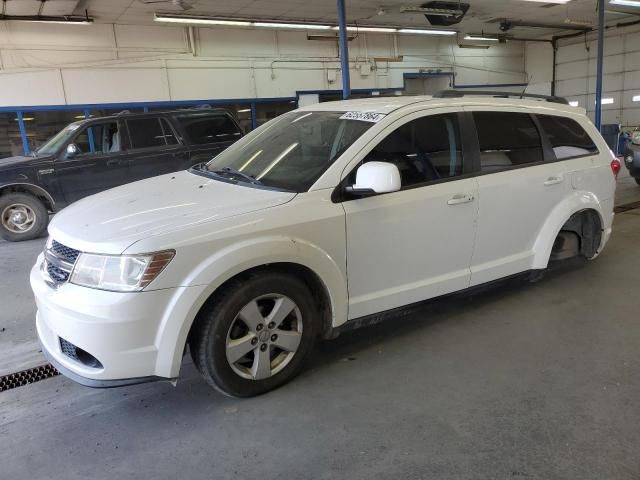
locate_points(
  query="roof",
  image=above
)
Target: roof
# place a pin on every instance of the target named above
(386, 105)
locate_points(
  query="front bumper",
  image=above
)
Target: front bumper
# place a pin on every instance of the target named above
(121, 330)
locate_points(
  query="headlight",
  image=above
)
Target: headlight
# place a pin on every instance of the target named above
(120, 273)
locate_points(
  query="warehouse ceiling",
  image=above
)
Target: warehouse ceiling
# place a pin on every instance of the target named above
(483, 16)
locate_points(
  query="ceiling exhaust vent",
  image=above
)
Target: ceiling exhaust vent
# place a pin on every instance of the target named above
(441, 13)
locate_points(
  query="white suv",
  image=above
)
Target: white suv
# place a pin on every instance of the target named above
(324, 217)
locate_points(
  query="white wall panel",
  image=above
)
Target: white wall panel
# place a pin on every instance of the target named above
(114, 85)
(129, 63)
(42, 87)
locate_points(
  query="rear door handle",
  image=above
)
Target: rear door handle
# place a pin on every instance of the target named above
(460, 198)
(554, 180)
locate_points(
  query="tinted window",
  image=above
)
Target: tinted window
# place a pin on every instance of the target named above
(169, 137)
(568, 139)
(209, 128)
(99, 138)
(290, 152)
(506, 140)
(145, 133)
(424, 150)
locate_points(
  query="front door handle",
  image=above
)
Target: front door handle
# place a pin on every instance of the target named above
(460, 198)
(554, 180)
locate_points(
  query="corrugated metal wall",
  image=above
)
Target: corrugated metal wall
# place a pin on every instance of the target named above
(576, 80)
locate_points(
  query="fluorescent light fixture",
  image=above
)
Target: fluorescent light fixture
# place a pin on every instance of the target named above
(636, 98)
(574, 103)
(369, 29)
(607, 101)
(244, 110)
(25, 119)
(300, 26)
(426, 32)
(480, 38)
(161, 17)
(625, 3)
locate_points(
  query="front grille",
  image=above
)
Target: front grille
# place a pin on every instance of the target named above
(61, 251)
(58, 262)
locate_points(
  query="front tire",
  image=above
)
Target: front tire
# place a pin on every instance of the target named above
(22, 217)
(255, 334)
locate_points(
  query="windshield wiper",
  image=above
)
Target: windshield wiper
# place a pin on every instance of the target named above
(237, 173)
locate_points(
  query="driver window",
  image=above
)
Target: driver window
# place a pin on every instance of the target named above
(424, 150)
(99, 138)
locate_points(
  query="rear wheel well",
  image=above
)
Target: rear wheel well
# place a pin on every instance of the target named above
(579, 236)
(306, 275)
(29, 190)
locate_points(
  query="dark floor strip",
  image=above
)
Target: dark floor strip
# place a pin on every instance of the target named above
(626, 207)
(27, 377)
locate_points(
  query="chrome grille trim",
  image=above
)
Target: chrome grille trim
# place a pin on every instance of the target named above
(58, 263)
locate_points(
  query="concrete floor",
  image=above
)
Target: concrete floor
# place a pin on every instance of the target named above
(521, 381)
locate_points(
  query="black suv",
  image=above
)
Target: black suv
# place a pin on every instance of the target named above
(92, 155)
(632, 161)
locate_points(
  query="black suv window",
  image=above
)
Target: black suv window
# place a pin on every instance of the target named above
(424, 150)
(203, 129)
(169, 137)
(146, 133)
(568, 139)
(99, 138)
(507, 139)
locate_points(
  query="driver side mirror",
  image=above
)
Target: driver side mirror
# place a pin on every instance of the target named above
(72, 150)
(376, 177)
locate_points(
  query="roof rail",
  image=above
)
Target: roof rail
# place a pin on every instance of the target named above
(488, 93)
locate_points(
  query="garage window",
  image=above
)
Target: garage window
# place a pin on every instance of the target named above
(507, 139)
(568, 139)
(424, 150)
(203, 129)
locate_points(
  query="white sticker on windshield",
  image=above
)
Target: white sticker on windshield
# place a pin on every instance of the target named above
(372, 117)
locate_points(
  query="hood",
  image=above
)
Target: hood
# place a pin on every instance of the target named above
(111, 221)
(15, 161)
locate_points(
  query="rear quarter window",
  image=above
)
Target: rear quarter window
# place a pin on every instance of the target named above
(567, 138)
(203, 129)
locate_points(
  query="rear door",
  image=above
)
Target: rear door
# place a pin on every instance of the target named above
(154, 148)
(519, 182)
(207, 134)
(100, 164)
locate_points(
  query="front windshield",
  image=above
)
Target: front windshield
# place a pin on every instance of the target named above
(57, 141)
(291, 152)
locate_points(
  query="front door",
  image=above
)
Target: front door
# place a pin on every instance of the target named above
(99, 164)
(414, 244)
(519, 185)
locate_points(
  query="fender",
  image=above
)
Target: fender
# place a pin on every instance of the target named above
(231, 261)
(578, 200)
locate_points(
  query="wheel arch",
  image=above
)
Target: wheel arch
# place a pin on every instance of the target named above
(30, 189)
(577, 203)
(316, 268)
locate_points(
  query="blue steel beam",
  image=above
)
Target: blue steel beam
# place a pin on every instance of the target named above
(344, 49)
(600, 64)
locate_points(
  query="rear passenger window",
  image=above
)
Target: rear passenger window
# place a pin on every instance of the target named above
(507, 140)
(209, 128)
(424, 150)
(568, 139)
(169, 137)
(145, 133)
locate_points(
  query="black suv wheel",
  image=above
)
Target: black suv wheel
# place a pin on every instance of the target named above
(22, 217)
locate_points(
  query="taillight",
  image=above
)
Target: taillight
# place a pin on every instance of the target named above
(615, 167)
